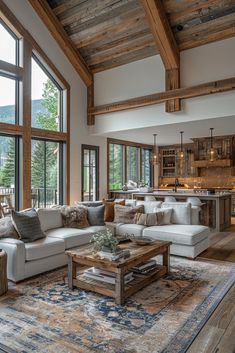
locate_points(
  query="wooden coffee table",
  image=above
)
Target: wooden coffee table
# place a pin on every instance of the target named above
(83, 257)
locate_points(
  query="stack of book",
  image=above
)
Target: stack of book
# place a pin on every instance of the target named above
(145, 267)
(105, 276)
(122, 254)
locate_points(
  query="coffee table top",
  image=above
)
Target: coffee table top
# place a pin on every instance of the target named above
(138, 253)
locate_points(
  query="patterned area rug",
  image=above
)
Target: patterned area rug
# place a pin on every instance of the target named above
(42, 315)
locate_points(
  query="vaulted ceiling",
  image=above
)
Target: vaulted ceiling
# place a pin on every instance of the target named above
(109, 33)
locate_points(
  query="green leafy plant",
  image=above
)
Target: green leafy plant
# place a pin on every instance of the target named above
(104, 240)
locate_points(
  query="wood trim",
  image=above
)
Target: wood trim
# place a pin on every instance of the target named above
(47, 134)
(90, 104)
(68, 148)
(128, 143)
(27, 125)
(12, 70)
(56, 29)
(11, 129)
(180, 93)
(162, 33)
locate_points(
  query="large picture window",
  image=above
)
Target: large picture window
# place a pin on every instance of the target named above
(34, 122)
(128, 161)
(46, 173)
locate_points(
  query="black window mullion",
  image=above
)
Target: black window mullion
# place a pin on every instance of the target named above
(45, 175)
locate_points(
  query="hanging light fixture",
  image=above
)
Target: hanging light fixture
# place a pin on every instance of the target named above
(154, 155)
(181, 152)
(212, 150)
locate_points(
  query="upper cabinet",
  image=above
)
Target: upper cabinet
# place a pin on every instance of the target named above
(224, 147)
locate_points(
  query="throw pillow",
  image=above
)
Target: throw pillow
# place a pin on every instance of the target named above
(148, 219)
(165, 215)
(126, 214)
(95, 215)
(149, 205)
(88, 203)
(109, 209)
(7, 230)
(74, 217)
(27, 225)
(181, 212)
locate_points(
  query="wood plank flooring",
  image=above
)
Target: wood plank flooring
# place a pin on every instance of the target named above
(218, 334)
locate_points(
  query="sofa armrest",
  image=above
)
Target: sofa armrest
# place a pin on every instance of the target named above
(15, 250)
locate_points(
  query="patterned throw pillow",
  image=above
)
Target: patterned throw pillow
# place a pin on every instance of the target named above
(148, 219)
(126, 214)
(7, 230)
(109, 209)
(74, 217)
(27, 225)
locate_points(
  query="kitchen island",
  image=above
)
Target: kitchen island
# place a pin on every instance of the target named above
(215, 211)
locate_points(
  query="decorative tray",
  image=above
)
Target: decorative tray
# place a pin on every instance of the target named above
(142, 240)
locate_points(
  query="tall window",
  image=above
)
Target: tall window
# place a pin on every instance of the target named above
(46, 173)
(115, 166)
(90, 169)
(133, 163)
(9, 158)
(146, 167)
(42, 159)
(128, 161)
(46, 99)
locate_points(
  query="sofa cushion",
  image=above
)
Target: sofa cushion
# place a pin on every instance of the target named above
(27, 225)
(126, 214)
(95, 215)
(195, 211)
(149, 206)
(178, 234)
(44, 248)
(49, 218)
(72, 237)
(88, 203)
(181, 212)
(74, 217)
(165, 215)
(109, 209)
(149, 219)
(7, 230)
(135, 229)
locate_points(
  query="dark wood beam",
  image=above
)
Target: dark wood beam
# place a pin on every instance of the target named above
(166, 43)
(90, 105)
(162, 97)
(162, 33)
(50, 20)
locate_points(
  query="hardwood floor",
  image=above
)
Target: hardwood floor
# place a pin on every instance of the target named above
(218, 334)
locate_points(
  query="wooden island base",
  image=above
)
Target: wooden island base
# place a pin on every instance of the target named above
(81, 258)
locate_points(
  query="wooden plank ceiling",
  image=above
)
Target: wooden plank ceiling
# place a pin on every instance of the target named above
(109, 33)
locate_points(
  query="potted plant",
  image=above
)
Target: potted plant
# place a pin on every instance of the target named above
(105, 241)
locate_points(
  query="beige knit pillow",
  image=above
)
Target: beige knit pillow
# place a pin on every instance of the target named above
(148, 219)
(126, 214)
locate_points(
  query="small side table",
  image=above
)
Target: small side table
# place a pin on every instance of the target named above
(3, 272)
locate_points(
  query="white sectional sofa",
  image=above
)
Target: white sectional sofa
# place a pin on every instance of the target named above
(28, 259)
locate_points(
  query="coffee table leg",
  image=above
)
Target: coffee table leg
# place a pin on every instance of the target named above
(166, 259)
(119, 287)
(71, 271)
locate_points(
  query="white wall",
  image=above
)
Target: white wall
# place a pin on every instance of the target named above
(79, 130)
(206, 63)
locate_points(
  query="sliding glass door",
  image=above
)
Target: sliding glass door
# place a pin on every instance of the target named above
(90, 177)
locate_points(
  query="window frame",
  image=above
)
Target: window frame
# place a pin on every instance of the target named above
(124, 145)
(97, 152)
(26, 48)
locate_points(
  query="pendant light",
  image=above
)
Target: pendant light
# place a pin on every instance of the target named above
(154, 155)
(181, 153)
(212, 151)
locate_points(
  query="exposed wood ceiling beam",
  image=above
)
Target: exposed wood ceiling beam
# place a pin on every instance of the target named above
(46, 14)
(166, 43)
(180, 93)
(162, 33)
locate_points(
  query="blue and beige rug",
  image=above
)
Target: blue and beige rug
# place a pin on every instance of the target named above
(42, 315)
